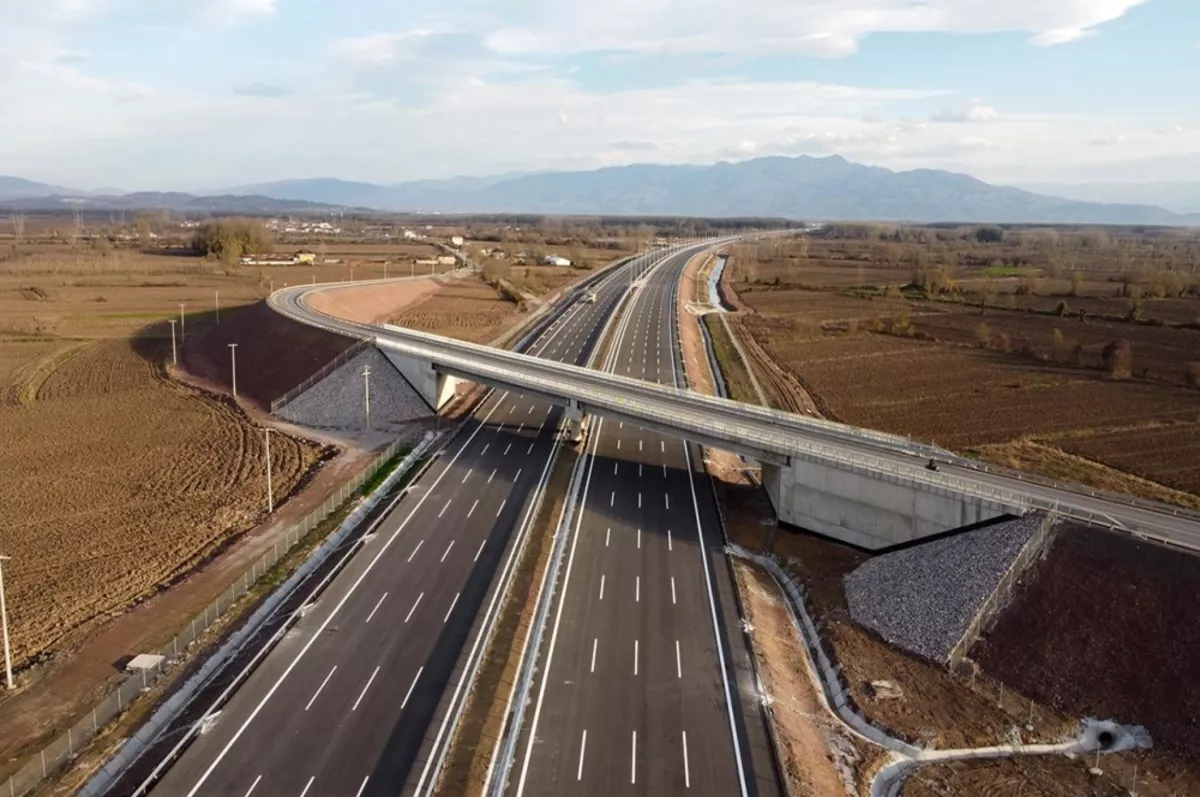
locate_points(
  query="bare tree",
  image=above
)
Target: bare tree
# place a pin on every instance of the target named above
(18, 226)
(76, 230)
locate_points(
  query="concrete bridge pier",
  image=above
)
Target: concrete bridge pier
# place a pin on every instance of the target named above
(576, 421)
(434, 387)
(872, 509)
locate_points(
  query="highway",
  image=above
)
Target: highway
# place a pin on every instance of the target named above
(644, 687)
(344, 703)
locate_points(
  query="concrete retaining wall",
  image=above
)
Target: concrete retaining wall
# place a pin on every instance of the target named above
(870, 510)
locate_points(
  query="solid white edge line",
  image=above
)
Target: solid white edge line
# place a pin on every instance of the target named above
(313, 699)
(687, 454)
(353, 587)
(537, 711)
(363, 693)
(540, 487)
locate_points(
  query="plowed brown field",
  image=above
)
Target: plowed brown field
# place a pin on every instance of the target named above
(467, 309)
(117, 480)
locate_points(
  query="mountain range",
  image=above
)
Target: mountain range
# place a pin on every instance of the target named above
(802, 187)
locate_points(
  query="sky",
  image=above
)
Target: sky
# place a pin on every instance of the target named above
(205, 94)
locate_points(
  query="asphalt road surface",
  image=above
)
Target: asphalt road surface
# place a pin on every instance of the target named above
(343, 704)
(644, 683)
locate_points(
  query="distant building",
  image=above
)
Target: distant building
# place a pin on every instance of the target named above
(447, 260)
(409, 235)
(456, 240)
(555, 260)
(306, 258)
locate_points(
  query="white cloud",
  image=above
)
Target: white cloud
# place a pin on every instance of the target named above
(826, 28)
(231, 12)
(1108, 141)
(377, 49)
(975, 111)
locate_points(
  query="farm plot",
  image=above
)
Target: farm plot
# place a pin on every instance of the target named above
(467, 309)
(1168, 455)
(117, 481)
(1158, 353)
(962, 397)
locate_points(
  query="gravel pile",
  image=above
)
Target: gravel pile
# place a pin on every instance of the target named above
(923, 598)
(336, 402)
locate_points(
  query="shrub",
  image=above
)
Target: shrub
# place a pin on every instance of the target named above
(231, 239)
(1118, 359)
(989, 235)
(1061, 311)
(983, 334)
(1076, 283)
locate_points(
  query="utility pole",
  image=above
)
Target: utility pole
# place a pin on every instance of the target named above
(217, 302)
(270, 494)
(8, 681)
(182, 323)
(367, 394)
(174, 356)
(233, 367)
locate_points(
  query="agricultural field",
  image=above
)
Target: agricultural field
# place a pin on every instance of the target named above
(466, 309)
(117, 479)
(1079, 348)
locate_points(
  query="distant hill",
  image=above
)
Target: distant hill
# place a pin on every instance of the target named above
(158, 200)
(17, 188)
(799, 188)
(802, 188)
(1179, 196)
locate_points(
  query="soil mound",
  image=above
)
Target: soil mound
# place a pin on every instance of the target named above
(1107, 627)
(274, 353)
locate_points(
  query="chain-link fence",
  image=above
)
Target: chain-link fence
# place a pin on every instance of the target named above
(324, 371)
(66, 747)
(1000, 596)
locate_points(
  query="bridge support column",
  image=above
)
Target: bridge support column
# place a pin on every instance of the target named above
(576, 421)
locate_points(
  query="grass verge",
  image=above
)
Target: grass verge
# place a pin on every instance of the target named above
(737, 378)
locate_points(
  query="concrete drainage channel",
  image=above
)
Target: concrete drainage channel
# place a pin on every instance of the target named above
(1095, 736)
(166, 716)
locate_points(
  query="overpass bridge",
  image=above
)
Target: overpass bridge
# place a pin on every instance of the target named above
(867, 488)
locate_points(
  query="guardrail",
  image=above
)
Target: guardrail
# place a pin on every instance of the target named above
(764, 430)
(67, 746)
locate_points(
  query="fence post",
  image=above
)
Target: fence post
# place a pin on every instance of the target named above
(43, 763)
(70, 743)
(95, 727)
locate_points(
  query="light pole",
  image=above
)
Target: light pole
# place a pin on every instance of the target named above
(174, 356)
(233, 367)
(367, 394)
(8, 681)
(217, 302)
(182, 324)
(270, 494)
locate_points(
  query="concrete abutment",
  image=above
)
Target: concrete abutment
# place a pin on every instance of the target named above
(869, 509)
